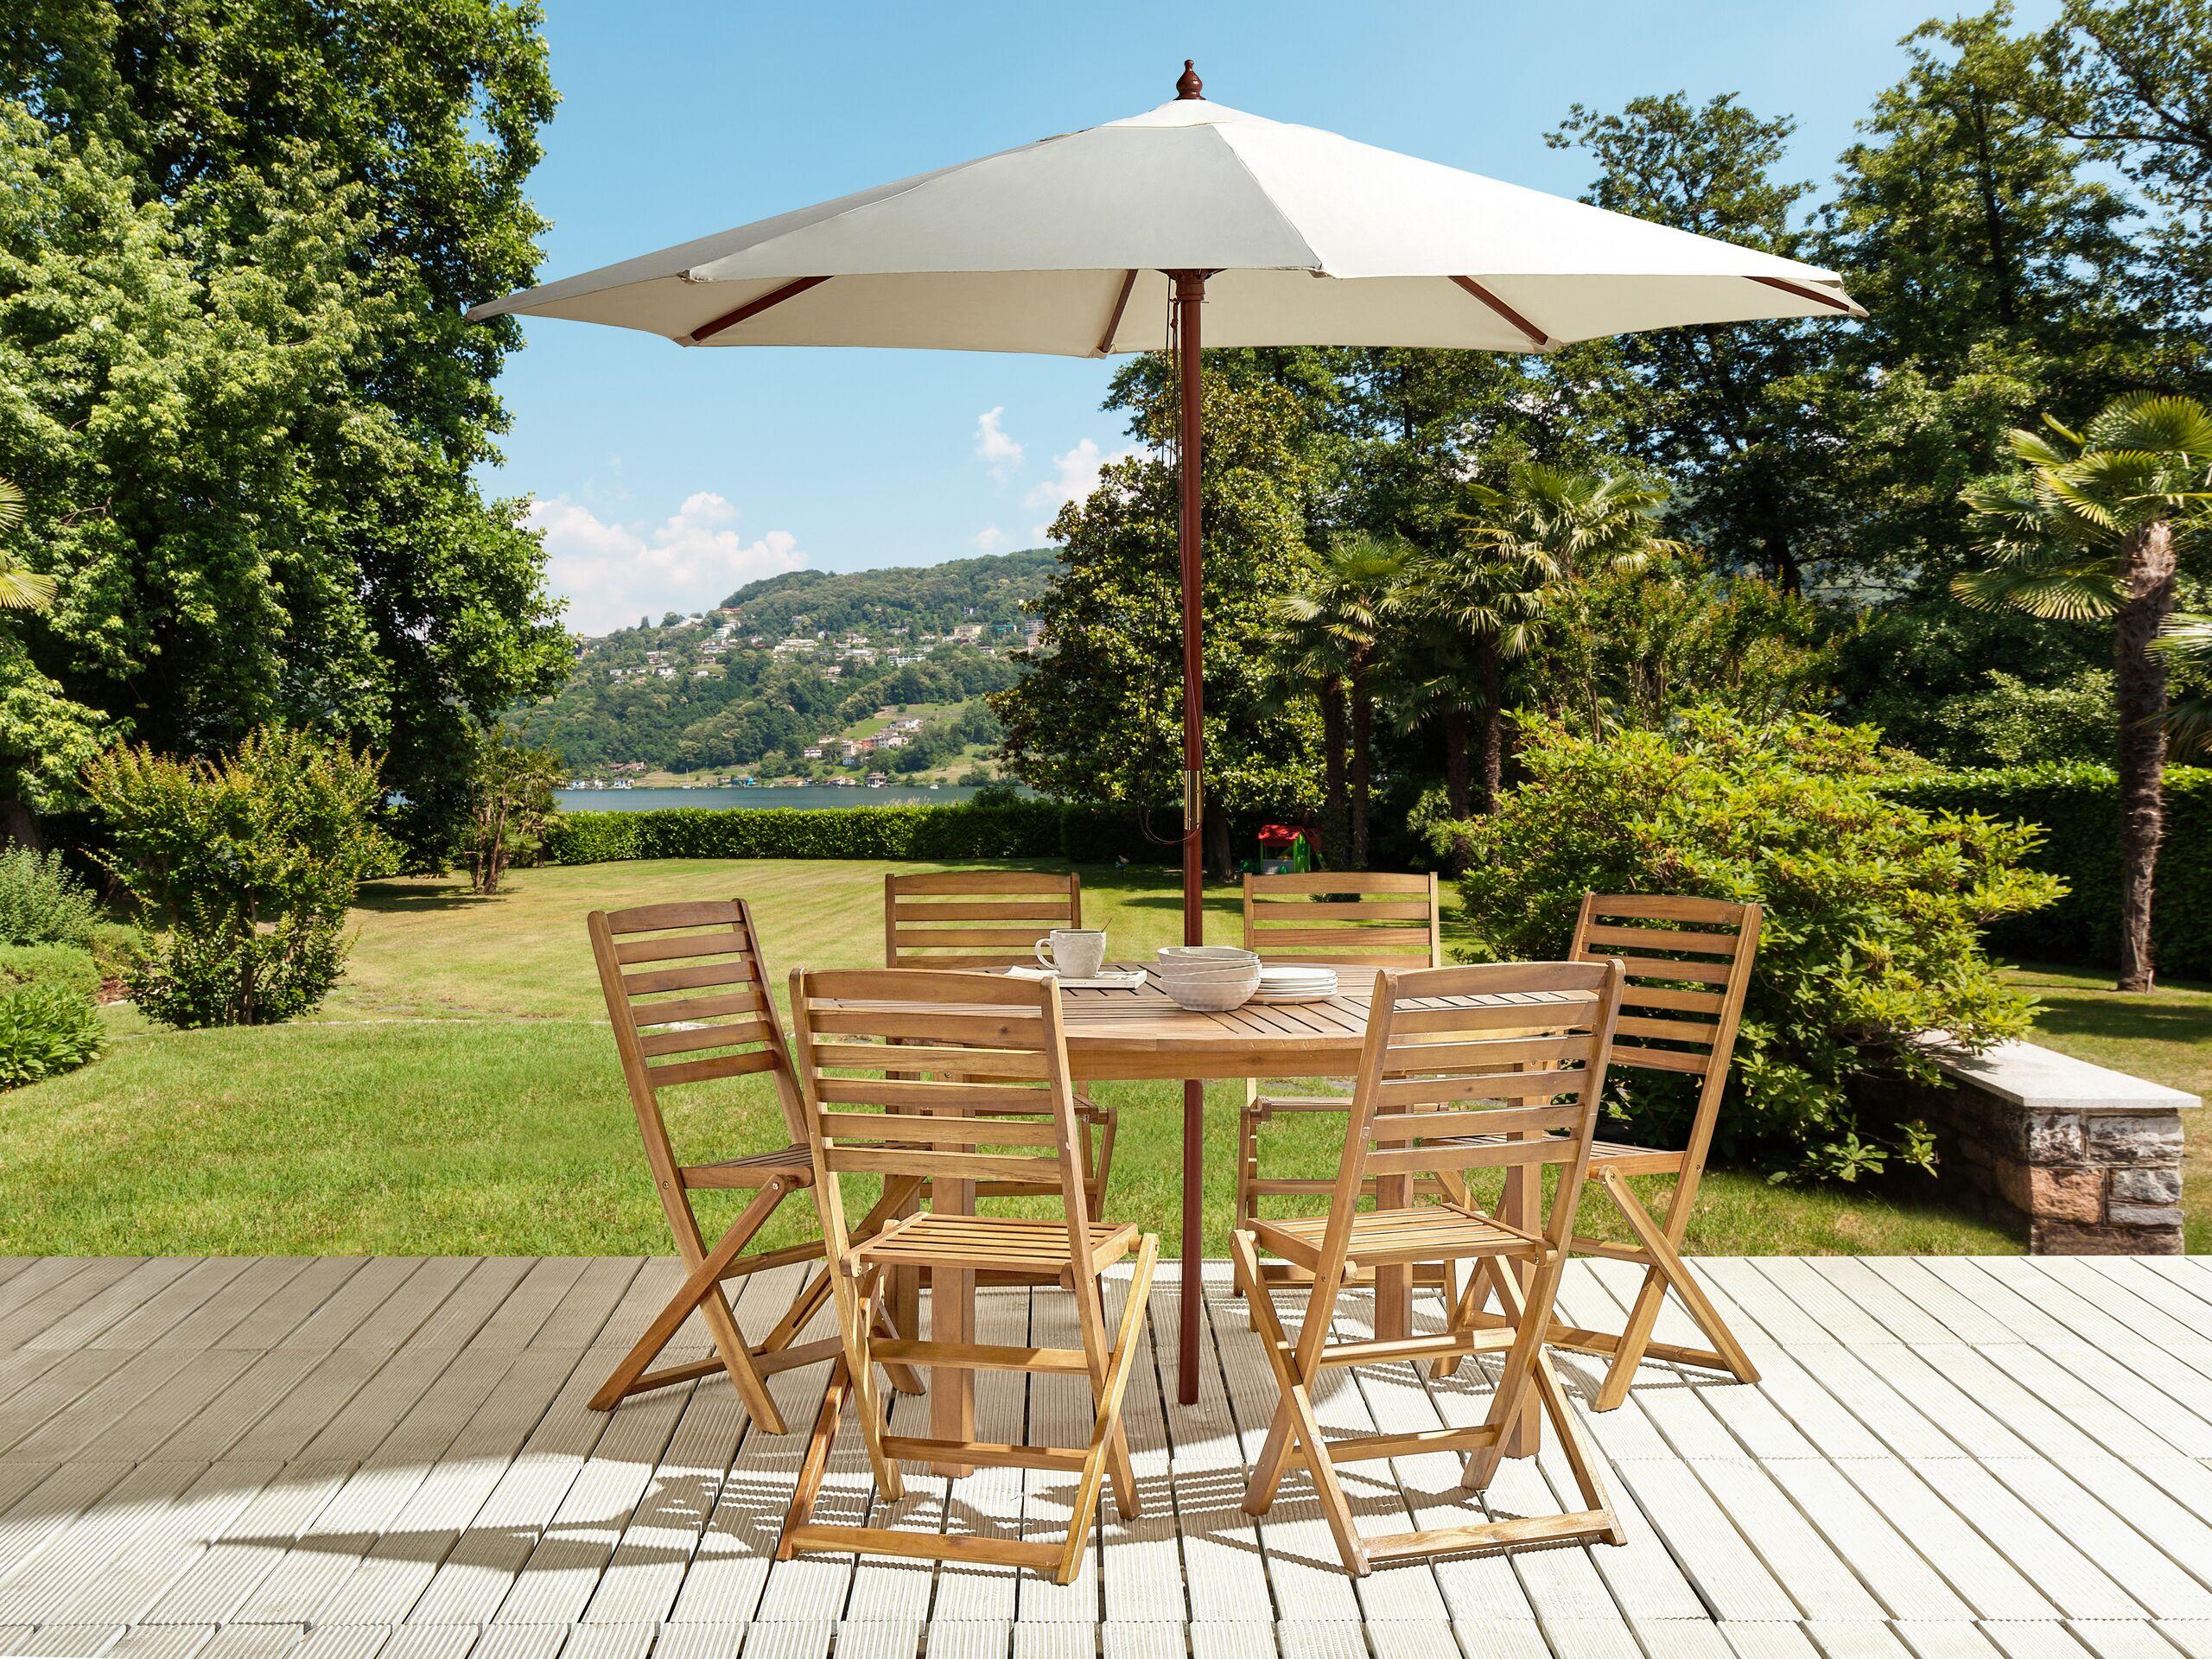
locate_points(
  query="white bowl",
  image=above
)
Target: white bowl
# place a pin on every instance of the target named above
(1211, 993)
(1177, 955)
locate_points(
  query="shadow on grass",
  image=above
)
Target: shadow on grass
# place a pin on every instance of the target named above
(395, 899)
(2067, 1015)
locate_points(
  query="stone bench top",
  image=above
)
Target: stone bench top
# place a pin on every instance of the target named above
(2044, 1080)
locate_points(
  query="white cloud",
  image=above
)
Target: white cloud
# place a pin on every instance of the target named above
(988, 539)
(993, 447)
(612, 574)
(1075, 475)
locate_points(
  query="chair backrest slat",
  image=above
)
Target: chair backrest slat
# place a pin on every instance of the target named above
(943, 918)
(1364, 920)
(666, 1033)
(997, 1108)
(1689, 966)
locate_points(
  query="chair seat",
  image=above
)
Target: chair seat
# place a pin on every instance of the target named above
(792, 1163)
(1386, 1238)
(1617, 1155)
(990, 1241)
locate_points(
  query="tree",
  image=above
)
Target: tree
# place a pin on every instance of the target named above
(235, 245)
(1472, 606)
(2137, 89)
(1720, 410)
(2000, 273)
(511, 800)
(2095, 527)
(45, 738)
(1520, 549)
(1098, 716)
(1343, 612)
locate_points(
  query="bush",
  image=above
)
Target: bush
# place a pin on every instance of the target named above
(1873, 909)
(65, 965)
(42, 902)
(1002, 828)
(252, 861)
(2077, 808)
(45, 1030)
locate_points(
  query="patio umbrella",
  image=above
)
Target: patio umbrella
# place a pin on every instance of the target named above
(1284, 235)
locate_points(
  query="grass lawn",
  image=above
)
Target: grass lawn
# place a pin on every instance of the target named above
(458, 1094)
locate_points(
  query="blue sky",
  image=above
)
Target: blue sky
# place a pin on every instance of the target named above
(665, 478)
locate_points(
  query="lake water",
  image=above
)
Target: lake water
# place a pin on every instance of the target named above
(641, 800)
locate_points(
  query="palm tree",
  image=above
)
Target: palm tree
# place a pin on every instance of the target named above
(1473, 610)
(20, 588)
(2093, 527)
(1491, 586)
(1342, 615)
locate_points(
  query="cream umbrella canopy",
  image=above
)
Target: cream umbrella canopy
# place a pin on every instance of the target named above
(1288, 235)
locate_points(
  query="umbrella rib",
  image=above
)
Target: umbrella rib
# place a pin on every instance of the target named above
(1121, 304)
(1805, 292)
(707, 330)
(1536, 337)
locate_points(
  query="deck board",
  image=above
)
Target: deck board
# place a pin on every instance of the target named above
(393, 1459)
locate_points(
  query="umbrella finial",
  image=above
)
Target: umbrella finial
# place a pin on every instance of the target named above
(1190, 86)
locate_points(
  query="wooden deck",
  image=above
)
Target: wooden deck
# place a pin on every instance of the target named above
(393, 1460)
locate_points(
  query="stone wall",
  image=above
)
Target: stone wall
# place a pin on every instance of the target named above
(2086, 1160)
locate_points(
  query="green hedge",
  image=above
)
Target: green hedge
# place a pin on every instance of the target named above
(2078, 806)
(1017, 829)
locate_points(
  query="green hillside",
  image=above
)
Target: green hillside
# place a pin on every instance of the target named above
(790, 660)
(991, 589)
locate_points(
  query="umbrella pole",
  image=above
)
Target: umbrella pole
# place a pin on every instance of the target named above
(1190, 296)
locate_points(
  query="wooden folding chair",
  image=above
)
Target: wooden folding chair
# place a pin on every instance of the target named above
(1689, 964)
(992, 919)
(1440, 1089)
(1358, 923)
(669, 1036)
(1019, 1127)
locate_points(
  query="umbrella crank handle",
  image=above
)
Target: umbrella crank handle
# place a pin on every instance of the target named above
(1193, 801)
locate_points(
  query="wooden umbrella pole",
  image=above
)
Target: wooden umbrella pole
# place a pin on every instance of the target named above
(1190, 297)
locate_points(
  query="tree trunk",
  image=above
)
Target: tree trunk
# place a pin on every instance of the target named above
(19, 827)
(1459, 784)
(1335, 819)
(1362, 726)
(2139, 684)
(1493, 758)
(1215, 831)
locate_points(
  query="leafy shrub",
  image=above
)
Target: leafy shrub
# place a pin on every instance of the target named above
(45, 1030)
(1015, 829)
(252, 861)
(65, 965)
(2009, 722)
(200, 976)
(2077, 807)
(43, 902)
(1873, 910)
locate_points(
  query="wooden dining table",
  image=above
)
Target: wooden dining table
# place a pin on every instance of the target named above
(1130, 1035)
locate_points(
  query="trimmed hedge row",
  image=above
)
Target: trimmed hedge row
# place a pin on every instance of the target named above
(2078, 806)
(1015, 829)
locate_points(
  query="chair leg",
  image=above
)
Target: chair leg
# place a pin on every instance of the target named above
(816, 1463)
(1106, 1426)
(702, 1289)
(1295, 1426)
(1668, 1271)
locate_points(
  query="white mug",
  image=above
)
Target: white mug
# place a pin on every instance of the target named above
(1073, 952)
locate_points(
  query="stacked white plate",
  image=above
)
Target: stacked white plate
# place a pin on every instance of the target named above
(1295, 983)
(1212, 978)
